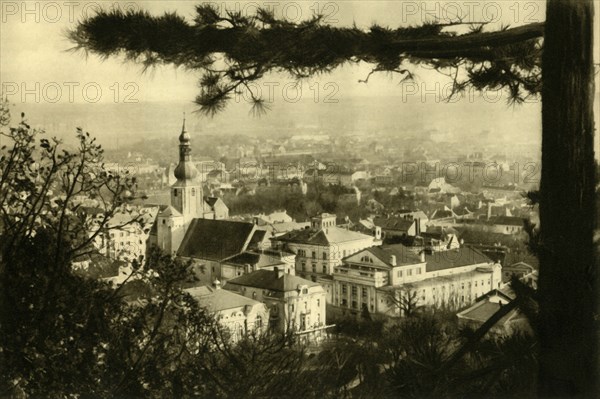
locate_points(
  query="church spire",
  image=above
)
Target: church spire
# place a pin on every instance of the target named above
(185, 170)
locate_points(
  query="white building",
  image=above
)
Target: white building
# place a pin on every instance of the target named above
(380, 278)
(239, 315)
(295, 304)
(320, 248)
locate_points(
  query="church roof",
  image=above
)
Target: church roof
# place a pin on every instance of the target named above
(215, 239)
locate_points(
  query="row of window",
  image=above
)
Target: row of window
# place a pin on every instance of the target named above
(409, 272)
(314, 268)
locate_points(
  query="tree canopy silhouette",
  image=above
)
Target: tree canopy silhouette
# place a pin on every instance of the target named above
(230, 51)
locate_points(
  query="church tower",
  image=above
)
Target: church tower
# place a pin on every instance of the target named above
(186, 194)
(187, 201)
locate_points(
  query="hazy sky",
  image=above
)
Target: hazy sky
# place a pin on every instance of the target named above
(36, 69)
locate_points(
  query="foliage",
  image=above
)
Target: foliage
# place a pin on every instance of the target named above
(232, 51)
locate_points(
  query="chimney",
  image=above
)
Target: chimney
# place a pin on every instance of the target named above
(393, 260)
(422, 255)
(418, 227)
(278, 272)
(217, 284)
(489, 211)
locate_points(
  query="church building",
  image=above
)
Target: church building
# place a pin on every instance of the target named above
(187, 201)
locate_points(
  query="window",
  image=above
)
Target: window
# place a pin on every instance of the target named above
(303, 266)
(364, 292)
(418, 270)
(175, 193)
(344, 289)
(314, 254)
(409, 272)
(314, 267)
(193, 192)
(354, 290)
(318, 302)
(399, 273)
(258, 322)
(324, 269)
(292, 308)
(324, 255)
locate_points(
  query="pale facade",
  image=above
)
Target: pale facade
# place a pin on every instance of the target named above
(295, 304)
(127, 234)
(238, 315)
(321, 248)
(377, 278)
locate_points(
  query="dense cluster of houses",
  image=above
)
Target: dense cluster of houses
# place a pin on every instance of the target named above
(269, 271)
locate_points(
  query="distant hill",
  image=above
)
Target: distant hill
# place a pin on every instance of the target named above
(122, 124)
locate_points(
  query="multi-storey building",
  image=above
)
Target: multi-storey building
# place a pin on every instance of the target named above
(237, 314)
(295, 304)
(320, 248)
(127, 233)
(391, 279)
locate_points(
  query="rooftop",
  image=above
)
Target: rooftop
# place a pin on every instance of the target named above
(215, 239)
(216, 299)
(463, 256)
(326, 236)
(271, 280)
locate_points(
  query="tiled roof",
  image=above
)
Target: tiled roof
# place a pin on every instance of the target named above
(404, 256)
(483, 310)
(257, 238)
(458, 257)
(257, 259)
(393, 223)
(215, 239)
(170, 211)
(327, 236)
(216, 300)
(270, 280)
(441, 213)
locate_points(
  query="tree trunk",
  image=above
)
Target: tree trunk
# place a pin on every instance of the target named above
(567, 284)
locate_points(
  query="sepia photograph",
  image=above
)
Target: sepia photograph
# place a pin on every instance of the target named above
(323, 199)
